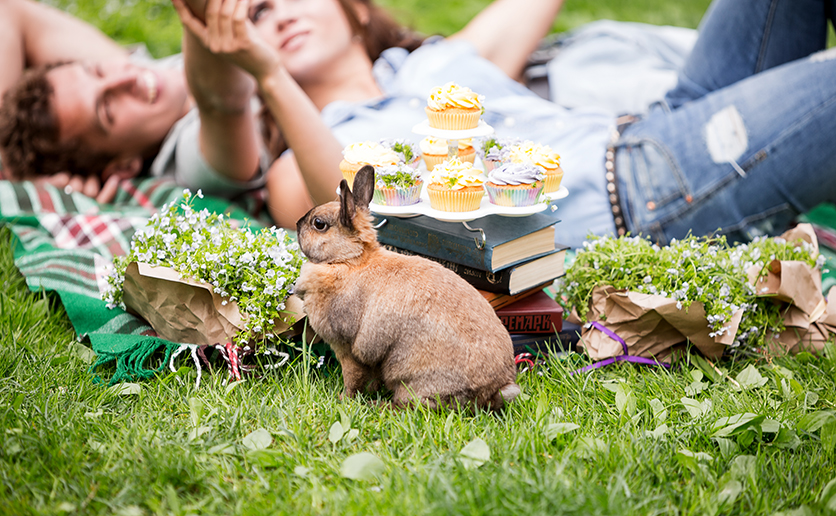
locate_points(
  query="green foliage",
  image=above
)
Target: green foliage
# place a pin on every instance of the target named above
(705, 270)
(255, 270)
(397, 176)
(130, 22)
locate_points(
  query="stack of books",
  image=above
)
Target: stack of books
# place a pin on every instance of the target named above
(518, 260)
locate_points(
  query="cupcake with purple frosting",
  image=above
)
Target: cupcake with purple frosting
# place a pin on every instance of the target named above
(496, 151)
(515, 184)
(405, 150)
(397, 185)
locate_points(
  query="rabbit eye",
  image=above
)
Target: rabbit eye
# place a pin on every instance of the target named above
(319, 224)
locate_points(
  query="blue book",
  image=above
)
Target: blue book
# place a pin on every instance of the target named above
(508, 240)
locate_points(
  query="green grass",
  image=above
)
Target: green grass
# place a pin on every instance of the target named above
(70, 445)
(155, 23)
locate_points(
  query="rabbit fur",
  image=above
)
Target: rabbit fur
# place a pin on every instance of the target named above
(405, 321)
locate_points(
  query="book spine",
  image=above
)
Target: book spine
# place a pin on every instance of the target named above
(452, 248)
(498, 282)
(544, 322)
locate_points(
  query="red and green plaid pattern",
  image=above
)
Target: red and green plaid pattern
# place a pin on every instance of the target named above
(64, 242)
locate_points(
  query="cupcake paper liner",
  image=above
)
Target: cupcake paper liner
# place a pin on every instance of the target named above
(514, 197)
(453, 119)
(455, 200)
(431, 160)
(553, 182)
(397, 196)
(349, 176)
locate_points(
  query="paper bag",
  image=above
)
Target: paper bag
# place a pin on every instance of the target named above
(187, 311)
(803, 333)
(650, 326)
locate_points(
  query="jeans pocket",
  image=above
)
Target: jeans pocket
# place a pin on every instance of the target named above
(656, 179)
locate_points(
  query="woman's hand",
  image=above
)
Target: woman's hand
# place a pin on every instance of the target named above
(228, 32)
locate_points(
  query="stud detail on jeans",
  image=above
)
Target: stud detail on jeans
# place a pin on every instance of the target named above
(651, 205)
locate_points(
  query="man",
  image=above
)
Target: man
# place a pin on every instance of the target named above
(79, 113)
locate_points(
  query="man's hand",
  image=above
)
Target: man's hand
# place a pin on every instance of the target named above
(90, 186)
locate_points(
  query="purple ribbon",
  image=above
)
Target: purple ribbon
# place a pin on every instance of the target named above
(626, 357)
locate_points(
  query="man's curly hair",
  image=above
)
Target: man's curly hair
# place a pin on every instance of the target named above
(29, 139)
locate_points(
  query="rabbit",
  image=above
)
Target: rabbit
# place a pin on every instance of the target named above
(405, 321)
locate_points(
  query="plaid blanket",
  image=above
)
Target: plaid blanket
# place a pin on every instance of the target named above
(64, 242)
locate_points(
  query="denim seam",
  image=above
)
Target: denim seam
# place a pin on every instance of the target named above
(767, 30)
(760, 216)
(788, 131)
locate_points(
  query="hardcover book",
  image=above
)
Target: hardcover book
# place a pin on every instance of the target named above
(565, 341)
(498, 300)
(508, 240)
(512, 280)
(537, 313)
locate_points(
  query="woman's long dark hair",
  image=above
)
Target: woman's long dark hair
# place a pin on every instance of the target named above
(381, 32)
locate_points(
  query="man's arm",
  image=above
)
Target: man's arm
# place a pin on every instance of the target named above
(229, 138)
(34, 34)
(508, 31)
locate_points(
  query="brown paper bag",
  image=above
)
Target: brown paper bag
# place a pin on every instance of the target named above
(650, 325)
(187, 311)
(803, 333)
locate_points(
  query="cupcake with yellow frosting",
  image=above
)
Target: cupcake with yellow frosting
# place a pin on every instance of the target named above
(397, 185)
(434, 151)
(542, 156)
(515, 184)
(453, 107)
(455, 186)
(357, 155)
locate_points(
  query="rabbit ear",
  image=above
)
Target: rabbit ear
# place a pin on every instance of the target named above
(364, 186)
(347, 206)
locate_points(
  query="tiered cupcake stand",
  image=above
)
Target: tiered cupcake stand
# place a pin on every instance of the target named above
(486, 207)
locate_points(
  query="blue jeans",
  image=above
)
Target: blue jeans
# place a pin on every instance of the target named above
(746, 141)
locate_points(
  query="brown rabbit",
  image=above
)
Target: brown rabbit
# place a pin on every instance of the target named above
(403, 320)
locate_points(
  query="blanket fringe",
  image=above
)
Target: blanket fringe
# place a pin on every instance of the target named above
(130, 362)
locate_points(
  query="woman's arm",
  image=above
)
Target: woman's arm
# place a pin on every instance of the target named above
(311, 174)
(508, 31)
(229, 139)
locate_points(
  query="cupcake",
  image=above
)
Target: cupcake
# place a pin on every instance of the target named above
(453, 107)
(397, 185)
(542, 156)
(515, 184)
(407, 152)
(435, 150)
(356, 155)
(495, 151)
(455, 186)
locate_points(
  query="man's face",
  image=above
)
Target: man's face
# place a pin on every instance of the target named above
(116, 107)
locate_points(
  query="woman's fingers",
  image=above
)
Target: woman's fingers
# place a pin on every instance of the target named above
(225, 29)
(197, 27)
(240, 17)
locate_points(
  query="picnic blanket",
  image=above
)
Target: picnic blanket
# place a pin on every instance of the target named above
(64, 242)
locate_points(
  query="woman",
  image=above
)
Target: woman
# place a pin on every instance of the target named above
(742, 144)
